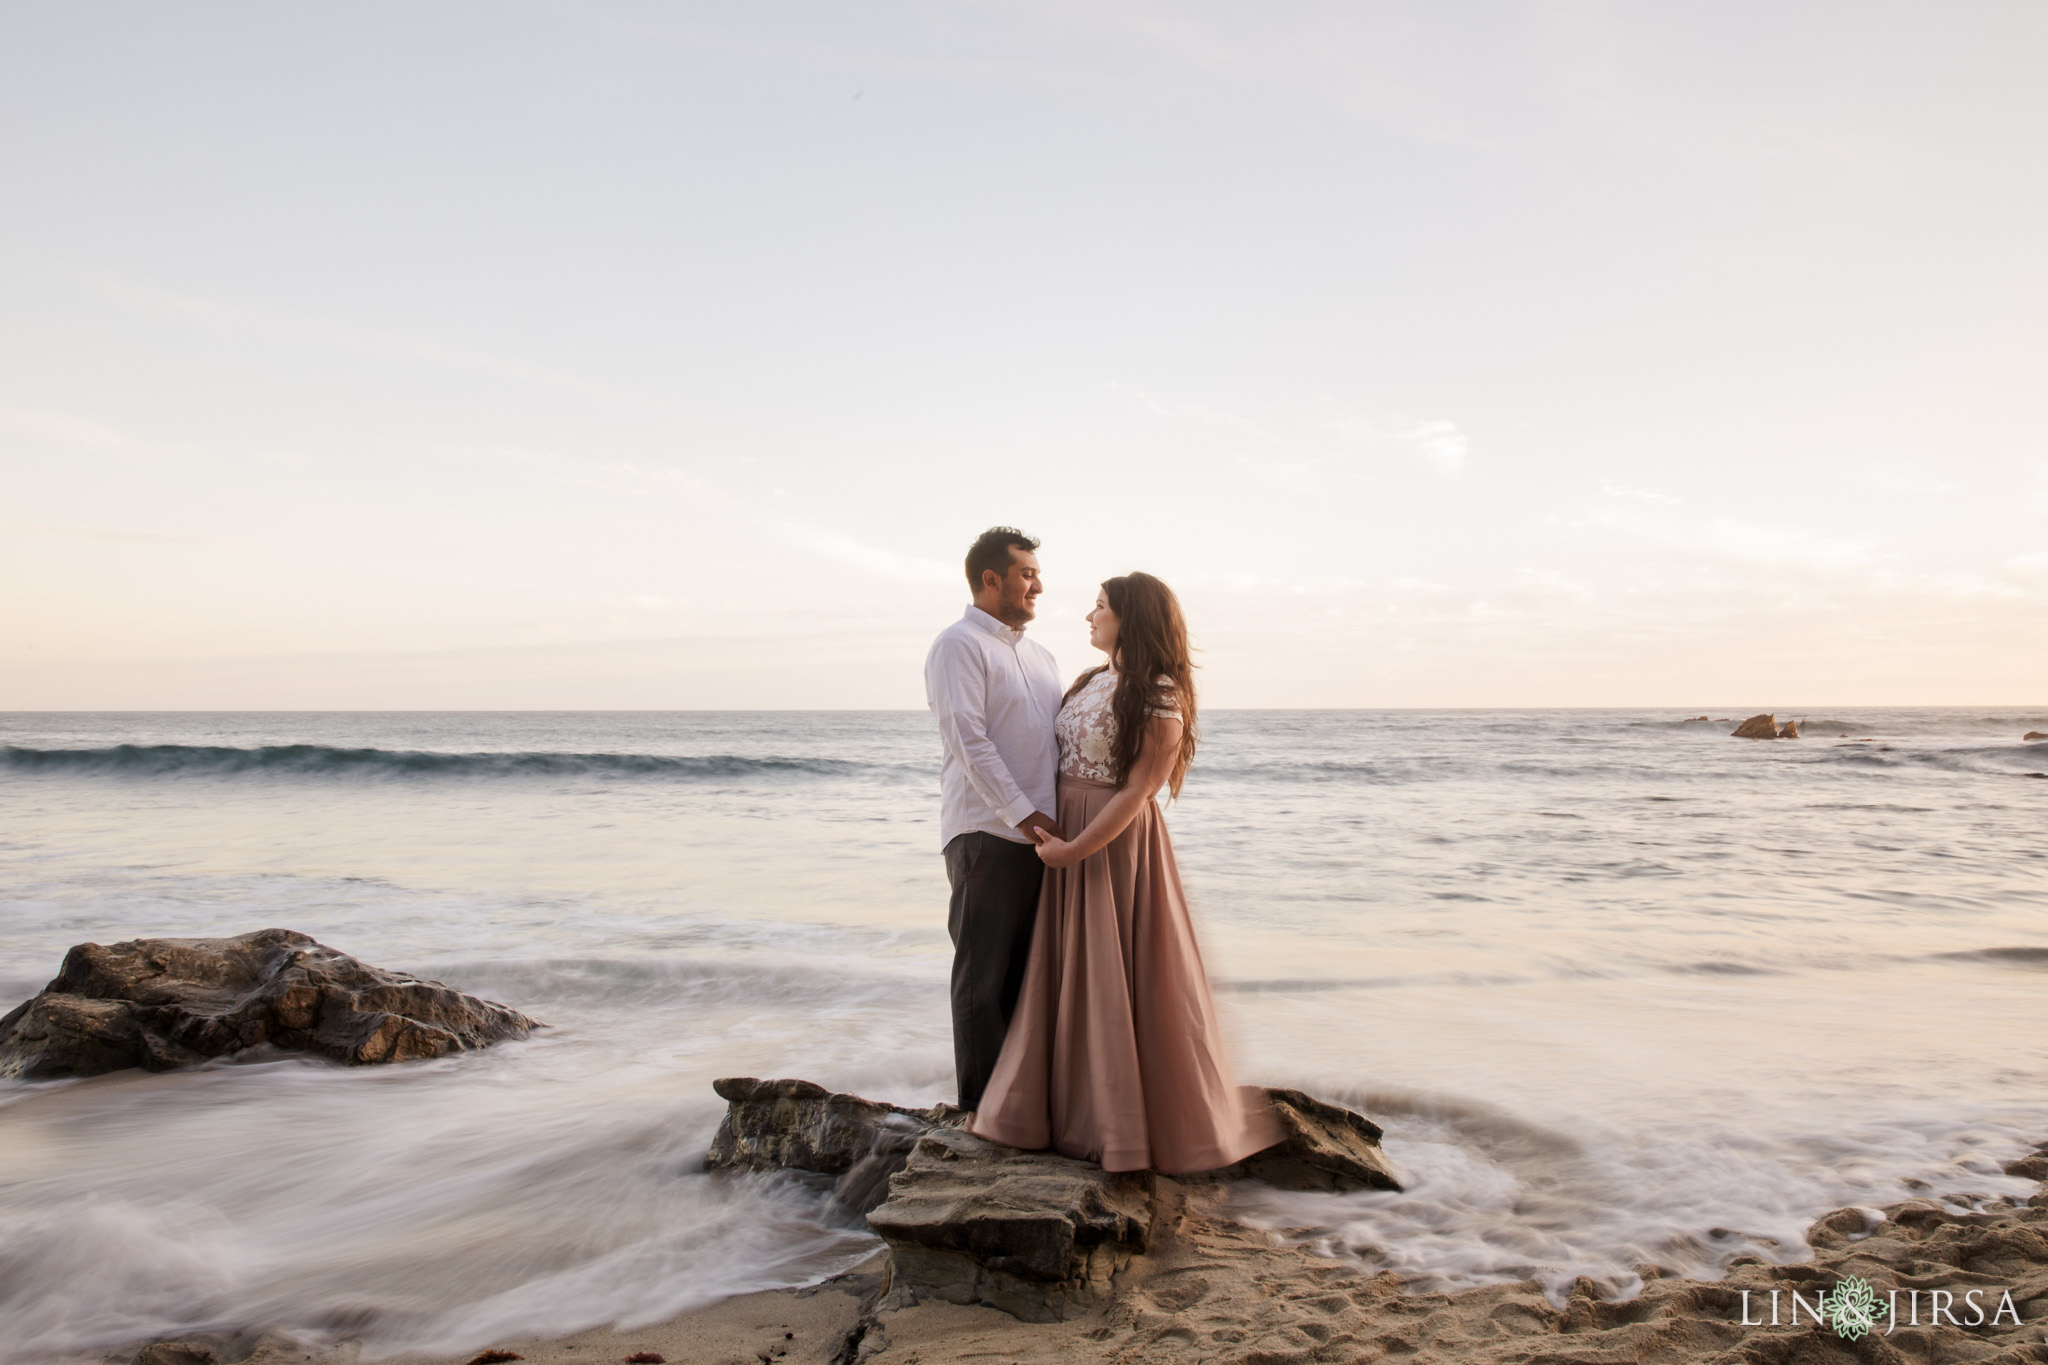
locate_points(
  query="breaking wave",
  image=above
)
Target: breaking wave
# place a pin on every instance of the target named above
(159, 760)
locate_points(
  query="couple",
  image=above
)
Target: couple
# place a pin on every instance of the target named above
(1082, 1019)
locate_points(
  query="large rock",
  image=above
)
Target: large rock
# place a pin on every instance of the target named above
(971, 1221)
(161, 1003)
(1757, 727)
(1789, 730)
(801, 1126)
(1032, 1233)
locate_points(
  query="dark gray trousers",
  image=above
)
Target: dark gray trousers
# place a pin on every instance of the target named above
(995, 904)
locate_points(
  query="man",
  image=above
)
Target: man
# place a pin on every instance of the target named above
(996, 695)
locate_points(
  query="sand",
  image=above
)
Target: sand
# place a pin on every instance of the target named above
(1212, 1290)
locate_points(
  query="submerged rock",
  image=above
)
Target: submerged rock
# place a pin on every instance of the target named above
(970, 1221)
(2033, 734)
(1757, 727)
(163, 1003)
(215, 1348)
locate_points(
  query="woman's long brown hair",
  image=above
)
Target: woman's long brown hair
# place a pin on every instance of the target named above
(1151, 648)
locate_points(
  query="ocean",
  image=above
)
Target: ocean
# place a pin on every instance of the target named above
(1622, 990)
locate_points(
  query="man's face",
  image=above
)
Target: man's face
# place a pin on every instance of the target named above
(1017, 593)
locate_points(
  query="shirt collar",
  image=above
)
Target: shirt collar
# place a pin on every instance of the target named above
(981, 620)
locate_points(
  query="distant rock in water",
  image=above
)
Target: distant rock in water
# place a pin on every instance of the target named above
(1790, 730)
(163, 1003)
(1036, 1234)
(2033, 734)
(1757, 727)
(1692, 720)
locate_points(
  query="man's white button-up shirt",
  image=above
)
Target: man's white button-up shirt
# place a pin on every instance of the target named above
(996, 695)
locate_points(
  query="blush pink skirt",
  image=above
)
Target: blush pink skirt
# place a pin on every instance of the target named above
(1114, 1054)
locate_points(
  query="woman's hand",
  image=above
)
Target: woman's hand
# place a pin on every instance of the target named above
(1054, 851)
(1148, 774)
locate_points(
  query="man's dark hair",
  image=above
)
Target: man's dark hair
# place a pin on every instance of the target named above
(991, 550)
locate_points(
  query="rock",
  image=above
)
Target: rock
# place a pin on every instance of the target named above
(214, 1348)
(1692, 720)
(162, 1003)
(800, 1126)
(2033, 734)
(970, 1221)
(1757, 727)
(1032, 1233)
(2033, 1166)
(1790, 730)
(1325, 1148)
(192, 1351)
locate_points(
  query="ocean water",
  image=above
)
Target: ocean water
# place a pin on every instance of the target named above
(1622, 990)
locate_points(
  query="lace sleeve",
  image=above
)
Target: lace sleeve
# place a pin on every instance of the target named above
(1165, 699)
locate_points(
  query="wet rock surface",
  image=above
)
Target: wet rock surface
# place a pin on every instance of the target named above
(1326, 1147)
(1035, 1234)
(218, 1348)
(164, 1003)
(792, 1125)
(1757, 727)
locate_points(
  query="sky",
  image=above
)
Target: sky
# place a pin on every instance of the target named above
(591, 355)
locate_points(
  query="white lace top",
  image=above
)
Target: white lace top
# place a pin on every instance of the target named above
(1086, 728)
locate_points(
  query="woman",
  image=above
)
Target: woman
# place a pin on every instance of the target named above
(1113, 1054)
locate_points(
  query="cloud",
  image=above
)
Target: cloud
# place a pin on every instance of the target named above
(1727, 541)
(908, 568)
(601, 473)
(1438, 440)
(1207, 416)
(69, 428)
(122, 534)
(1610, 488)
(410, 348)
(1785, 546)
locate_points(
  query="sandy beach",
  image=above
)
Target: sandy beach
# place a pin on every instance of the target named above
(1214, 1292)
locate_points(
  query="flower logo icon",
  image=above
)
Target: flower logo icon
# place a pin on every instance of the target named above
(1852, 1308)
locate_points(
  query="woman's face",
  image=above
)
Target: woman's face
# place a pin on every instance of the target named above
(1102, 625)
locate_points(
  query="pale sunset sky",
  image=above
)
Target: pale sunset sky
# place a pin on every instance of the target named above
(538, 355)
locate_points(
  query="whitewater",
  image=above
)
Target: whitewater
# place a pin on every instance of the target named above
(1623, 991)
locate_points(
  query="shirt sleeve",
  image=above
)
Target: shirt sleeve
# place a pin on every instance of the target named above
(956, 686)
(1165, 698)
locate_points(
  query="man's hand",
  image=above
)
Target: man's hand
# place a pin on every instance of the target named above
(1038, 819)
(1054, 851)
